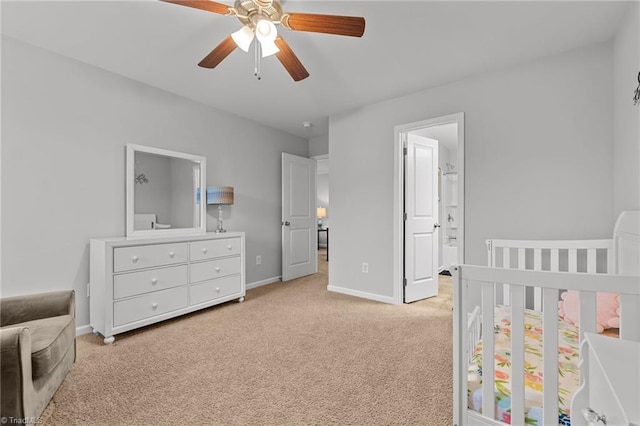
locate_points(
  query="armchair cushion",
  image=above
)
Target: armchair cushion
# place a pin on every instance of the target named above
(50, 340)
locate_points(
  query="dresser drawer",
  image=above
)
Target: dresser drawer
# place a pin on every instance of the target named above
(139, 257)
(214, 269)
(215, 289)
(134, 283)
(210, 249)
(149, 305)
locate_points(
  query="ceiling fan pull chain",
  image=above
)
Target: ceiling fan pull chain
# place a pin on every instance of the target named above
(256, 68)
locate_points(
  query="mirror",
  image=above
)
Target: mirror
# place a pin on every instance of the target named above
(164, 195)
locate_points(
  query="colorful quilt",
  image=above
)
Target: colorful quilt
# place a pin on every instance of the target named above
(568, 357)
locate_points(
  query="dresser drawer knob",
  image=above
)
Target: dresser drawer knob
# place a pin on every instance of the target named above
(172, 254)
(217, 269)
(204, 250)
(229, 247)
(134, 259)
(154, 306)
(154, 281)
(217, 289)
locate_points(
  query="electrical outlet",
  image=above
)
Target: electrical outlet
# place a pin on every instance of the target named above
(258, 260)
(365, 267)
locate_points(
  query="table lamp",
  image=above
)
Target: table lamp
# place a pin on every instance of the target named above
(321, 212)
(220, 196)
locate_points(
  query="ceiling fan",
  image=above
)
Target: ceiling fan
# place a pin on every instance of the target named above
(259, 19)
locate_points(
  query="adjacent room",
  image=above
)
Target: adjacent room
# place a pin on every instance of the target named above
(170, 171)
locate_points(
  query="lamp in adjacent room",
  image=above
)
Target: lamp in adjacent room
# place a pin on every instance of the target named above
(220, 196)
(321, 212)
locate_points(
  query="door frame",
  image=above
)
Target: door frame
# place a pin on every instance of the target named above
(398, 194)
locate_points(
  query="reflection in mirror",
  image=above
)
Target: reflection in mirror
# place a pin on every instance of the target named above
(163, 192)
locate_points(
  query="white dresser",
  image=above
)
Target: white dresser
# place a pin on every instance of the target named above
(611, 385)
(137, 282)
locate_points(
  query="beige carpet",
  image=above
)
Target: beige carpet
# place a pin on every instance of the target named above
(291, 354)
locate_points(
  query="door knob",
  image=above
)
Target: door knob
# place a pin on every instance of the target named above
(287, 223)
(436, 225)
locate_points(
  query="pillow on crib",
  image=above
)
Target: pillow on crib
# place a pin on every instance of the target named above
(607, 304)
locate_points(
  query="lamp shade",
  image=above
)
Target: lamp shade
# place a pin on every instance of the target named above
(243, 37)
(321, 212)
(219, 194)
(268, 48)
(266, 34)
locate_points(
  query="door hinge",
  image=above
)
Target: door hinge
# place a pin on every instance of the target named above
(405, 216)
(404, 151)
(404, 281)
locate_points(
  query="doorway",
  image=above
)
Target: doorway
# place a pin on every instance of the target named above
(322, 202)
(448, 229)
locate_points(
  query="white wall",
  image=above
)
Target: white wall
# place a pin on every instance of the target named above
(539, 162)
(64, 129)
(626, 65)
(319, 145)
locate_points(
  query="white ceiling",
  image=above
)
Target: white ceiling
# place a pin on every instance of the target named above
(407, 46)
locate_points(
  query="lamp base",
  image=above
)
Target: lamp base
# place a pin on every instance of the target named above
(220, 229)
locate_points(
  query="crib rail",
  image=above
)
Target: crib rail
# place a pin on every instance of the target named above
(587, 256)
(551, 283)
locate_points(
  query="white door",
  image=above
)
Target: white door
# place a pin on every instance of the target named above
(421, 220)
(299, 226)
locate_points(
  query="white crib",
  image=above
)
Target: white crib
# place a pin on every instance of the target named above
(547, 267)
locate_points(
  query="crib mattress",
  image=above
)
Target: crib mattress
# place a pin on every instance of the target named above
(568, 357)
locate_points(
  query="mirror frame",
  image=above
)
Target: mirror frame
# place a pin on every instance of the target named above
(130, 191)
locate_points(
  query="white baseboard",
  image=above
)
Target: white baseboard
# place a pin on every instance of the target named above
(362, 294)
(83, 329)
(263, 282)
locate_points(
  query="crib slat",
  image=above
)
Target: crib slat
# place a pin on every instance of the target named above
(610, 268)
(555, 260)
(537, 259)
(630, 317)
(550, 366)
(522, 258)
(517, 354)
(488, 363)
(573, 260)
(591, 261)
(587, 314)
(537, 291)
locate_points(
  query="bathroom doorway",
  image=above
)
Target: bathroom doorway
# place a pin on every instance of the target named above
(449, 220)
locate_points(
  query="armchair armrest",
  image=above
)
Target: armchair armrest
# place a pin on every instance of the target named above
(18, 309)
(15, 367)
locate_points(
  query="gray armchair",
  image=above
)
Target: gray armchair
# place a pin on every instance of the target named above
(38, 349)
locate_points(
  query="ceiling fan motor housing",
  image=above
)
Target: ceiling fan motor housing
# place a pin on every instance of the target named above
(249, 11)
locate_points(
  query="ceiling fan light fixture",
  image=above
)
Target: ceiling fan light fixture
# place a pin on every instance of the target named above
(268, 48)
(243, 37)
(266, 31)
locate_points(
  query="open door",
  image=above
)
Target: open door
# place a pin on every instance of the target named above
(421, 218)
(299, 229)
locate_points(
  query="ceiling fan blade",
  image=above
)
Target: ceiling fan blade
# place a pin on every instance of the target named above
(329, 24)
(290, 61)
(219, 53)
(209, 6)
